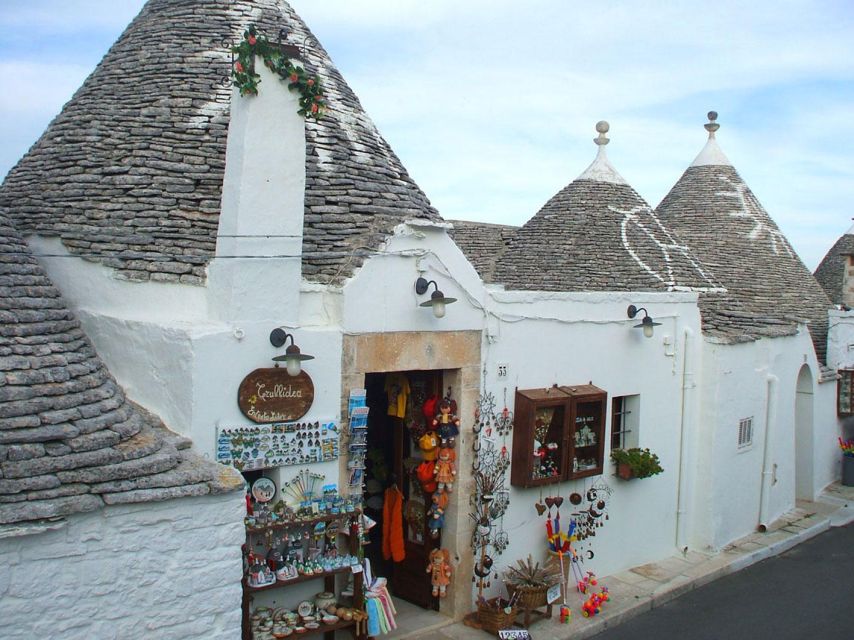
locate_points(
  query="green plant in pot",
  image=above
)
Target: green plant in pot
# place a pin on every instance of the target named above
(532, 580)
(636, 463)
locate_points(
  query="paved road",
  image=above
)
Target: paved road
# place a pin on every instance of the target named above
(805, 593)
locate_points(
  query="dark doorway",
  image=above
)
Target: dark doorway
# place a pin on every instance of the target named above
(395, 422)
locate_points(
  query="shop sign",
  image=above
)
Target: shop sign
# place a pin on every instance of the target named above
(271, 395)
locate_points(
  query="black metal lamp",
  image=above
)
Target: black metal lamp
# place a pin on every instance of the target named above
(437, 298)
(646, 324)
(293, 357)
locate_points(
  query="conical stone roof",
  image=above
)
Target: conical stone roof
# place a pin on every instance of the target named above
(598, 234)
(69, 439)
(484, 244)
(831, 270)
(768, 287)
(130, 172)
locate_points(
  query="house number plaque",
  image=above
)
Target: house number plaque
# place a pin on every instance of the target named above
(271, 395)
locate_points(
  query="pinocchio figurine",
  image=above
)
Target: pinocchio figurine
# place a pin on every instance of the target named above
(446, 424)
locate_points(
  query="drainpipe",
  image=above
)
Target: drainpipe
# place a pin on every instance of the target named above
(767, 470)
(681, 488)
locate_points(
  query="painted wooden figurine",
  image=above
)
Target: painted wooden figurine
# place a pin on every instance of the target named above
(439, 569)
(446, 424)
(445, 470)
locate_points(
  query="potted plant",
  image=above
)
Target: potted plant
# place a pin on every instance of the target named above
(532, 581)
(636, 463)
(847, 447)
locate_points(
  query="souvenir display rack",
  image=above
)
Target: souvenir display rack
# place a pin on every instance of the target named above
(269, 530)
(559, 434)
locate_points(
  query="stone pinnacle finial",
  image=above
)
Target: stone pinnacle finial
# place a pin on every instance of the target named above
(602, 127)
(711, 126)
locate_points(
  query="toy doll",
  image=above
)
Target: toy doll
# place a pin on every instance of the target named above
(436, 514)
(439, 569)
(445, 470)
(446, 424)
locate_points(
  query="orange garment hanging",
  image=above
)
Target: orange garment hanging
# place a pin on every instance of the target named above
(393, 525)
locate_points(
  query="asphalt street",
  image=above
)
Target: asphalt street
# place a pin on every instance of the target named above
(807, 592)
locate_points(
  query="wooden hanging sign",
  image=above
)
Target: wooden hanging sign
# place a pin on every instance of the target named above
(271, 395)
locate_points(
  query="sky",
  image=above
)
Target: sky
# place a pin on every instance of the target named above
(491, 105)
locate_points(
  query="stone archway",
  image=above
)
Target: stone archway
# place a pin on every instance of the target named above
(457, 353)
(804, 477)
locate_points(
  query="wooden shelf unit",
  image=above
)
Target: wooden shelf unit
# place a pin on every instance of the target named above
(328, 579)
(559, 434)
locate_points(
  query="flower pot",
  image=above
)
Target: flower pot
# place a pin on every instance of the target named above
(848, 471)
(625, 471)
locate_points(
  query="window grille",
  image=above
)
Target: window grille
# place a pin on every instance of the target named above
(745, 433)
(624, 421)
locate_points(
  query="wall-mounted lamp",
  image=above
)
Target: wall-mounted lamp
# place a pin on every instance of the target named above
(646, 324)
(293, 357)
(437, 298)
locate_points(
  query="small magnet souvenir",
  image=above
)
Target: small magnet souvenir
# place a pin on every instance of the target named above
(263, 489)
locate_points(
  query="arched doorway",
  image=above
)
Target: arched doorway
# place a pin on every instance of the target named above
(804, 489)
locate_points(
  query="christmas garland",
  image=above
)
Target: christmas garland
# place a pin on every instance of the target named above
(311, 102)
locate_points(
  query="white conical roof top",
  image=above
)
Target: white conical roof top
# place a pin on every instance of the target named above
(712, 154)
(601, 169)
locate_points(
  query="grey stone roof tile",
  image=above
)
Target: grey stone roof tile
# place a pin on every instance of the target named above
(130, 172)
(65, 425)
(768, 287)
(831, 269)
(599, 236)
(482, 243)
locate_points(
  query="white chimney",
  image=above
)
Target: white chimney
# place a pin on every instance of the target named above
(257, 272)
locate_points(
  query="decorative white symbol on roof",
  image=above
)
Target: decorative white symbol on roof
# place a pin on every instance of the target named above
(668, 248)
(752, 210)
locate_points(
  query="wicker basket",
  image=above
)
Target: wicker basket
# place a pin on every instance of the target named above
(529, 597)
(492, 617)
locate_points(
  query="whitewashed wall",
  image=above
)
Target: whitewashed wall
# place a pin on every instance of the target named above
(840, 340)
(382, 298)
(166, 570)
(735, 386)
(579, 338)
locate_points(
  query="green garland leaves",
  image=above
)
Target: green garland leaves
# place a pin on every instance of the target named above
(312, 103)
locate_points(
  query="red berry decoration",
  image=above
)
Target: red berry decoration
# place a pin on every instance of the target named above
(314, 108)
(294, 77)
(310, 82)
(238, 67)
(251, 40)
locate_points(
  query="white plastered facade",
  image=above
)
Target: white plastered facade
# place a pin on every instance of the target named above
(181, 351)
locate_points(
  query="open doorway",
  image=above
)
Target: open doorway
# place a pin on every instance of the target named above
(401, 412)
(804, 486)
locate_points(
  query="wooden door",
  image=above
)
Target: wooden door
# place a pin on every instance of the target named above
(410, 579)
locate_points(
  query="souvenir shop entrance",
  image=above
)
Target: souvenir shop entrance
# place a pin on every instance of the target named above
(441, 359)
(400, 481)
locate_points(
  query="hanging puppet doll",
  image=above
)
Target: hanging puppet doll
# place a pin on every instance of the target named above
(446, 424)
(436, 514)
(445, 470)
(439, 569)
